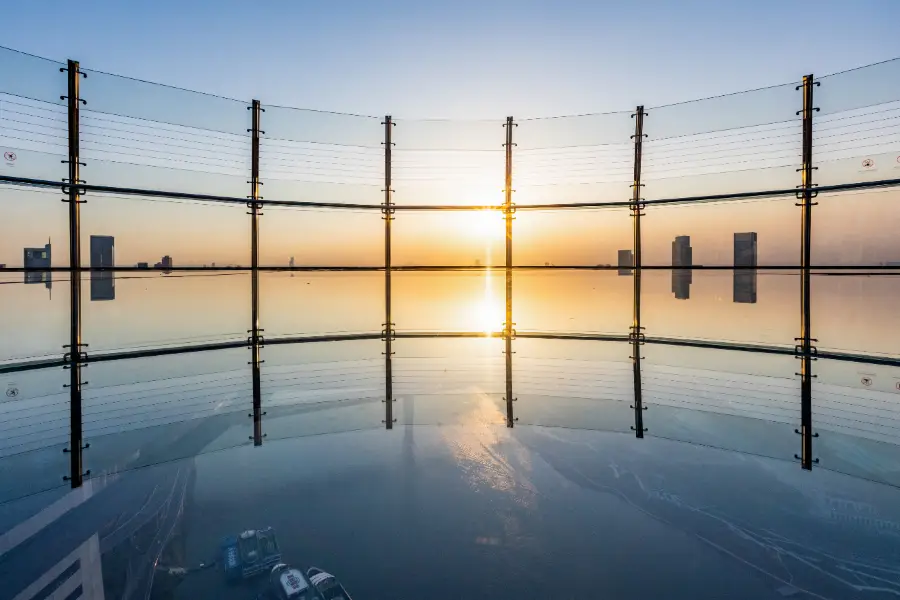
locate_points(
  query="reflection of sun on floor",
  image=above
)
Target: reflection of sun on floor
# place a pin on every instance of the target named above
(487, 313)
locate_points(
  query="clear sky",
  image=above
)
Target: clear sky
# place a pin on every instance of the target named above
(466, 58)
(460, 60)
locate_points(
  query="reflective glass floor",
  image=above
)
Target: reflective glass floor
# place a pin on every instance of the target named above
(468, 510)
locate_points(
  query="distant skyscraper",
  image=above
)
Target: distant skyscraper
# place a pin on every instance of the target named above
(682, 253)
(103, 255)
(745, 255)
(38, 258)
(291, 262)
(745, 249)
(682, 256)
(103, 251)
(143, 265)
(626, 259)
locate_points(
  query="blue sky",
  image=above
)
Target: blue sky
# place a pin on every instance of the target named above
(460, 59)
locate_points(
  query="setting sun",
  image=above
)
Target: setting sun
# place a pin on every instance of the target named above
(485, 224)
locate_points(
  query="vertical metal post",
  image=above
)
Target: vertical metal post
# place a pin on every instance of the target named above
(255, 332)
(508, 329)
(75, 356)
(388, 212)
(805, 350)
(637, 335)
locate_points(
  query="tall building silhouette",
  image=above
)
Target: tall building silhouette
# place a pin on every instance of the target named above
(38, 258)
(103, 255)
(745, 255)
(682, 256)
(103, 251)
(745, 247)
(626, 259)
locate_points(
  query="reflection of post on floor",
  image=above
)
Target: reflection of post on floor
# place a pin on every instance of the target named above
(636, 335)
(387, 210)
(804, 349)
(508, 326)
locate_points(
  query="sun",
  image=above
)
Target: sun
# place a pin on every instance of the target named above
(484, 224)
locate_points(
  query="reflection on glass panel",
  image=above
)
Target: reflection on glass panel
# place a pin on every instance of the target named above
(33, 138)
(869, 86)
(140, 412)
(139, 173)
(310, 389)
(35, 315)
(742, 401)
(34, 430)
(469, 238)
(737, 306)
(31, 77)
(856, 313)
(715, 230)
(573, 384)
(857, 145)
(586, 158)
(314, 303)
(448, 162)
(148, 231)
(742, 142)
(313, 156)
(470, 301)
(444, 382)
(572, 237)
(158, 309)
(113, 97)
(290, 237)
(856, 412)
(572, 301)
(857, 228)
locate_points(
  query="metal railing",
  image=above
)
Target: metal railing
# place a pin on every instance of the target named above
(594, 171)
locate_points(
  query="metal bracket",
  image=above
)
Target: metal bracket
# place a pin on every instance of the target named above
(85, 447)
(85, 474)
(644, 429)
(798, 457)
(798, 432)
(79, 71)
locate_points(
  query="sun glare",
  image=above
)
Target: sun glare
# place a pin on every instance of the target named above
(484, 224)
(488, 311)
